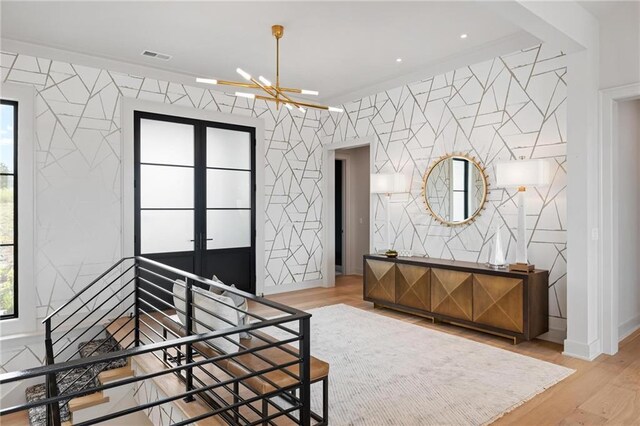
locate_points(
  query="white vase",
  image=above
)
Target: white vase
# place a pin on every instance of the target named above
(497, 257)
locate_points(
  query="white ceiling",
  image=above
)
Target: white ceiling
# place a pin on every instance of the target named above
(602, 9)
(333, 47)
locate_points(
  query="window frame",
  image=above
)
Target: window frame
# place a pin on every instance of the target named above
(26, 322)
(16, 230)
(464, 190)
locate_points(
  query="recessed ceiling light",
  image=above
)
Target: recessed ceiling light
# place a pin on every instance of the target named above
(463, 36)
(399, 60)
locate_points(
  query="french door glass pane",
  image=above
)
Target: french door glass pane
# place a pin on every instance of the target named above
(230, 149)
(6, 280)
(6, 135)
(228, 189)
(166, 231)
(228, 229)
(166, 187)
(165, 142)
(6, 209)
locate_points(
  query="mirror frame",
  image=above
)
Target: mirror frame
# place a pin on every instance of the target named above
(485, 179)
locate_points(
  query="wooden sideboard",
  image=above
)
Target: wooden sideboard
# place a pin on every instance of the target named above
(507, 303)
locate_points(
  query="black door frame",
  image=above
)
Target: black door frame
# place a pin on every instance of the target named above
(200, 182)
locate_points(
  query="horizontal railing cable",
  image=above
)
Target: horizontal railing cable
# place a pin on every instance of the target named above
(134, 379)
(54, 368)
(203, 293)
(95, 322)
(249, 296)
(84, 305)
(88, 286)
(258, 336)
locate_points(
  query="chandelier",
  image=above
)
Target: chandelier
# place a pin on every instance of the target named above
(272, 93)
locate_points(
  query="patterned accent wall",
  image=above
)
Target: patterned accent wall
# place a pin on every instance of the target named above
(79, 163)
(501, 109)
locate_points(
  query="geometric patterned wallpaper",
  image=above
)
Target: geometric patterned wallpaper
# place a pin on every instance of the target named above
(78, 191)
(502, 109)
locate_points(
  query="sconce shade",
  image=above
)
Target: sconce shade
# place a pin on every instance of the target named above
(389, 183)
(523, 173)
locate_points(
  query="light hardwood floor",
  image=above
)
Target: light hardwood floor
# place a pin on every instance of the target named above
(605, 391)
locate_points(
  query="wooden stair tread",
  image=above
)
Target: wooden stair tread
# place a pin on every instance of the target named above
(115, 374)
(87, 401)
(168, 384)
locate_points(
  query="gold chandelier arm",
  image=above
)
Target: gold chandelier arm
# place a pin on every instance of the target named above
(290, 90)
(238, 84)
(293, 103)
(265, 88)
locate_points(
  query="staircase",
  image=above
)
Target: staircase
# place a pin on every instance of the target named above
(84, 407)
(94, 381)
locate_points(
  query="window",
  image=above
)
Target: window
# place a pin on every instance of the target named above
(8, 209)
(460, 189)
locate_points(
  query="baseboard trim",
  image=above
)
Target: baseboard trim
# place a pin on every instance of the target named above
(555, 335)
(587, 352)
(285, 288)
(627, 328)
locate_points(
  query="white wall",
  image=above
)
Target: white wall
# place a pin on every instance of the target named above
(357, 206)
(628, 216)
(620, 45)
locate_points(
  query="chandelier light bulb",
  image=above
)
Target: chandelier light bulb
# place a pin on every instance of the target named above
(206, 80)
(302, 109)
(309, 92)
(334, 109)
(243, 73)
(245, 95)
(264, 81)
(288, 106)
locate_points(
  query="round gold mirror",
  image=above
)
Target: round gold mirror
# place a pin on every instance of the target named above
(454, 189)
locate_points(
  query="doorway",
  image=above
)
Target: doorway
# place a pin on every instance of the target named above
(619, 245)
(351, 208)
(195, 197)
(627, 175)
(339, 215)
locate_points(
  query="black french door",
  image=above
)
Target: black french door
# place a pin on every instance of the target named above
(195, 198)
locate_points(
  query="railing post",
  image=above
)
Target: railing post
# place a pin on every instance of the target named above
(305, 371)
(136, 305)
(53, 409)
(189, 326)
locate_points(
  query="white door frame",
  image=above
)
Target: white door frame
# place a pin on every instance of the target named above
(329, 206)
(609, 196)
(128, 106)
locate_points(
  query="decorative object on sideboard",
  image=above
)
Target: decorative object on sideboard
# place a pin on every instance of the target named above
(522, 174)
(455, 188)
(271, 92)
(496, 254)
(387, 184)
(391, 254)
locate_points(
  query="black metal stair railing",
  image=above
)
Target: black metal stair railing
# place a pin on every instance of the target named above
(199, 361)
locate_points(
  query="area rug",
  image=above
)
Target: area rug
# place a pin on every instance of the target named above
(388, 372)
